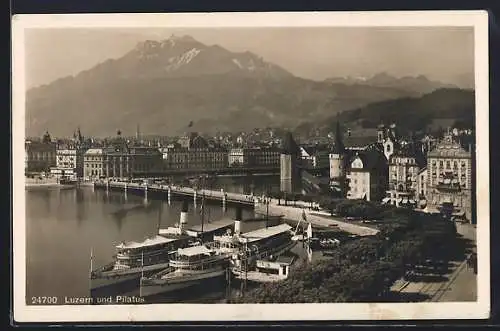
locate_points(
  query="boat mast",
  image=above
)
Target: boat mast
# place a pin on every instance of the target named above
(159, 217)
(91, 265)
(202, 212)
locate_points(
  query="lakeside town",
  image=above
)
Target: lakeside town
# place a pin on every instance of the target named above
(400, 207)
(432, 173)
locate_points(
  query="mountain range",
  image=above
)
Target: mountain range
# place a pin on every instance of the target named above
(419, 84)
(164, 85)
(452, 106)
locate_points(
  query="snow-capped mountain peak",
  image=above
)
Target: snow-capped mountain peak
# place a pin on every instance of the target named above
(183, 59)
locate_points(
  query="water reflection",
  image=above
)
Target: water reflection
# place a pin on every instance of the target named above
(59, 239)
(80, 206)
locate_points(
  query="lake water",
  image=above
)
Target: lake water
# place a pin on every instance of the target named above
(64, 224)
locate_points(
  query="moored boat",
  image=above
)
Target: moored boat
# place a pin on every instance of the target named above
(68, 182)
(136, 258)
(190, 266)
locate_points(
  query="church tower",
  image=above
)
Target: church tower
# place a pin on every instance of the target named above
(46, 139)
(289, 165)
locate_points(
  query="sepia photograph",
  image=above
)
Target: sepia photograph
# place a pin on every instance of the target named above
(250, 166)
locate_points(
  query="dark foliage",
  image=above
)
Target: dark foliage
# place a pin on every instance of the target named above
(363, 270)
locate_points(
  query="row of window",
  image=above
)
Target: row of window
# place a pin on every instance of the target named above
(463, 164)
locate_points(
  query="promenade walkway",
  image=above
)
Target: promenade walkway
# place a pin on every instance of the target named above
(295, 213)
(458, 284)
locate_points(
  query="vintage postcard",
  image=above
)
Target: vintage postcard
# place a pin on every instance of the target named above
(250, 167)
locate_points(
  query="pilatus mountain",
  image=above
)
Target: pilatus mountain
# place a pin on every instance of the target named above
(164, 85)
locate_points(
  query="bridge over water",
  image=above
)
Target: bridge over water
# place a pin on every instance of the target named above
(172, 191)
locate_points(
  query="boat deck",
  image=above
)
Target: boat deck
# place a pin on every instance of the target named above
(260, 277)
(212, 226)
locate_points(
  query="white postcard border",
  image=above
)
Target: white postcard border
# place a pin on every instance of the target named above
(253, 312)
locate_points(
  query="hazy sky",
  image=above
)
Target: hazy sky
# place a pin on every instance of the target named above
(445, 54)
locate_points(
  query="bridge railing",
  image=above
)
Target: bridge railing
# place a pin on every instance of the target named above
(183, 189)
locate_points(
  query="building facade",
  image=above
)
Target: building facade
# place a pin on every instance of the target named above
(40, 155)
(93, 161)
(69, 163)
(404, 168)
(254, 157)
(70, 157)
(449, 178)
(367, 176)
(179, 158)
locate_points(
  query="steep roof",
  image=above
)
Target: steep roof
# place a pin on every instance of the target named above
(412, 150)
(372, 159)
(289, 146)
(358, 141)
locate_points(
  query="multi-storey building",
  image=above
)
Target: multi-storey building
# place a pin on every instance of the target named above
(121, 161)
(404, 167)
(449, 178)
(40, 155)
(367, 176)
(66, 165)
(195, 159)
(93, 161)
(254, 157)
(70, 157)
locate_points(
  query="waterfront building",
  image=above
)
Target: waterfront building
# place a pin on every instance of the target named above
(66, 163)
(40, 155)
(126, 162)
(289, 165)
(404, 167)
(70, 157)
(121, 161)
(449, 178)
(367, 176)
(180, 158)
(93, 163)
(254, 157)
(193, 152)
